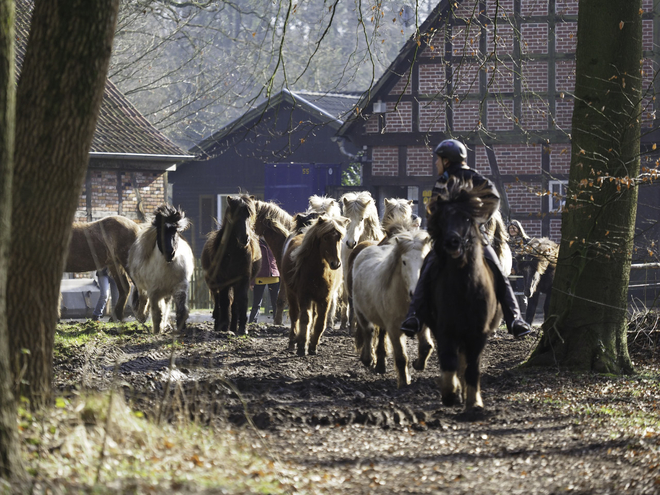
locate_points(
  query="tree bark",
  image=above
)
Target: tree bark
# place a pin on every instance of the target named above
(587, 326)
(58, 99)
(10, 464)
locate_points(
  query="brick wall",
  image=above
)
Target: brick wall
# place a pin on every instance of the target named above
(532, 226)
(524, 198)
(502, 7)
(398, 117)
(647, 34)
(371, 126)
(385, 161)
(431, 78)
(535, 77)
(517, 159)
(465, 39)
(499, 38)
(560, 158)
(432, 116)
(500, 115)
(403, 86)
(565, 75)
(466, 115)
(534, 114)
(533, 7)
(555, 230)
(481, 163)
(534, 38)
(465, 78)
(500, 77)
(566, 7)
(419, 161)
(566, 37)
(563, 113)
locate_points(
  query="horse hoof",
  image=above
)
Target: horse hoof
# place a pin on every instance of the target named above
(380, 369)
(419, 365)
(312, 351)
(450, 400)
(301, 351)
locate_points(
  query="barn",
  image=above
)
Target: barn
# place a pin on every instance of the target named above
(499, 76)
(286, 142)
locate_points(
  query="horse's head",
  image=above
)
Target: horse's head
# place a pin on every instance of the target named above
(397, 210)
(455, 215)
(324, 205)
(329, 232)
(303, 220)
(359, 208)
(411, 248)
(169, 221)
(240, 216)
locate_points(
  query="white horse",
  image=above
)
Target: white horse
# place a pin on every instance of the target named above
(398, 210)
(161, 264)
(384, 279)
(323, 205)
(364, 225)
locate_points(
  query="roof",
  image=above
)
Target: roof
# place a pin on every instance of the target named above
(399, 65)
(327, 108)
(121, 129)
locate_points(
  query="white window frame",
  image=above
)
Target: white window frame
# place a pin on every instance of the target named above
(557, 196)
(221, 203)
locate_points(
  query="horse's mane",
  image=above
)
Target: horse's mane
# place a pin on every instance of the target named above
(476, 201)
(362, 205)
(312, 233)
(169, 215)
(272, 216)
(402, 242)
(145, 242)
(324, 205)
(542, 250)
(400, 225)
(394, 209)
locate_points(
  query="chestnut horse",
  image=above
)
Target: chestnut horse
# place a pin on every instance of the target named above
(310, 274)
(231, 257)
(104, 243)
(463, 296)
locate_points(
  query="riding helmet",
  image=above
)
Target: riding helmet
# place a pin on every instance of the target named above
(454, 150)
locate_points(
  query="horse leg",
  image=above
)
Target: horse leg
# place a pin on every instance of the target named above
(302, 339)
(165, 306)
(222, 310)
(156, 313)
(381, 352)
(344, 308)
(294, 316)
(139, 303)
(532, 302)
(472, 377)
(182, 311)
(398, 340)
(449, 384)
(123, 289)
(279, 309)
(425, 348)
(321, 312)
(239, 308)
(364, 335)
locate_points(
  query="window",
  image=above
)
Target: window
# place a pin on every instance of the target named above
(413, 193)
(557, 196)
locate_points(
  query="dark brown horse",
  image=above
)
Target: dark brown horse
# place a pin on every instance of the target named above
(463, 292)
(537, 262)
(275, 225)
(100, 244)
(311, 277)
(231, 258)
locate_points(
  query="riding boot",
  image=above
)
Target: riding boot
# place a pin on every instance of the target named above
(506, 297)
(418, 308)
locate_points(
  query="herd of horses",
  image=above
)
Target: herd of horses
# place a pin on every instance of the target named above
(335, 259)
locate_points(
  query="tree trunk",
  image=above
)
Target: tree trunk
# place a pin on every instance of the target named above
(10, 465)
(58, 99)
(587, 326)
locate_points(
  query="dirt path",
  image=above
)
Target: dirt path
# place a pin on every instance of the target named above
(353, 432)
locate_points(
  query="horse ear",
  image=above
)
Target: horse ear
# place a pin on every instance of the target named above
(388, 201)
(345, 201)
(253, 198)
(410, 202)
(229, 200)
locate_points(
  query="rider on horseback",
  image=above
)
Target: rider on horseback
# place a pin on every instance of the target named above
(451, 163)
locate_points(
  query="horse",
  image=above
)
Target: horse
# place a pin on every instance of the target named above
(161, 264)
(537, 263)
(324, 205)
(231, 257)
(310, 276)
(364, 225)
(397, 210)
(100, 244)
(466, 310)
(275, 225)
(383, 281)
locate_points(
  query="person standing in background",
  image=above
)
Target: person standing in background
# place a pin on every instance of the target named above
(106, 285)
(269, 276)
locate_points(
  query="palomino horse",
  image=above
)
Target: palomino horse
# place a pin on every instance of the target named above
(311, 276)
(364, 225)
(384, 279)
(463, 291)
(324, 205)
(537, 263)
(161, 264)
(275, 225)
(231, 258)
(105, 242)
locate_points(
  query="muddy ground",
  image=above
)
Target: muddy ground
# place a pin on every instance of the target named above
(353, 431)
